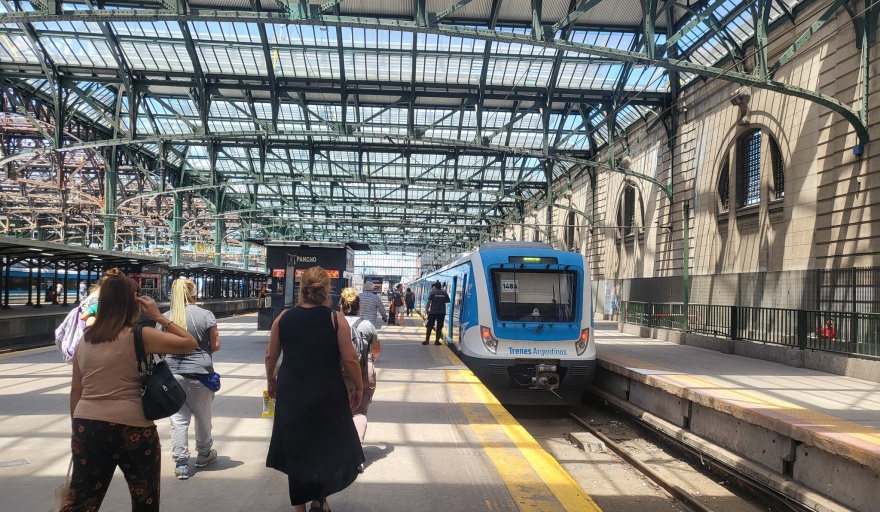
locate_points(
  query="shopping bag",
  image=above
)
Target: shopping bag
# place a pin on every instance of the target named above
(63, 490)
(268, 405)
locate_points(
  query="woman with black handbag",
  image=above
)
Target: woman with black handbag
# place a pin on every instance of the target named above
(314, 440)
(109, 425)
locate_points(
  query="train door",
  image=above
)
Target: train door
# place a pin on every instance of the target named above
(454, 306)
(459, 310)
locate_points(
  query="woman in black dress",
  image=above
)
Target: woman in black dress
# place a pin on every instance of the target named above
(314, 440)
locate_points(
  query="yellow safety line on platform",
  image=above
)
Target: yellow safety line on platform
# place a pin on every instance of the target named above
(521, 479)
(754, 399)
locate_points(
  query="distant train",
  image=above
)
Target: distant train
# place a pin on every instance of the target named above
(19, 282)
(521, 318)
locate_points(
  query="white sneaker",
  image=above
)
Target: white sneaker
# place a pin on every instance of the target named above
(181, 470)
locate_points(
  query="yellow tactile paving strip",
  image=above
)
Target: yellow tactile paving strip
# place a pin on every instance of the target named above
(535, 480)
(861, 438)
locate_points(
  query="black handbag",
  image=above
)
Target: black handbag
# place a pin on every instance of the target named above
(161, 394)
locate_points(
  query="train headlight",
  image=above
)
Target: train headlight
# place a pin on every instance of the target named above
(488, 340)
(581, 344)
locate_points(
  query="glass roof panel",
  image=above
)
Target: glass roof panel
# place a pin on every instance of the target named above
(245, 60)
(230, 126)
(448, 70)
(370, 38)
(504, 48)
(79, 51)
(225, 31)
(447, 44)
(519, 72)
(158, 29)
(16, 48)
(647, 78)
(306, 63)
(378, 66)
(149, 56)
(616, 40)
(76, 27)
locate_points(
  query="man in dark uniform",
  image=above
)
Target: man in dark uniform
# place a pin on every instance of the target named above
(437, 301)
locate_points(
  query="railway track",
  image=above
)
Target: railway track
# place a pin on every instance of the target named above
(629, 466)
(695, 503)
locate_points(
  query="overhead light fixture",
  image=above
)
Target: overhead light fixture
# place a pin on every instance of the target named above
(48, 254)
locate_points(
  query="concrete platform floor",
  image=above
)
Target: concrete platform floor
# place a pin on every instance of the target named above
(435, 441)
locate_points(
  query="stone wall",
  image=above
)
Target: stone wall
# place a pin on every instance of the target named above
(829, 216)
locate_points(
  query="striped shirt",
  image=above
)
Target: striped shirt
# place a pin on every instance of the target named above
(372, 308)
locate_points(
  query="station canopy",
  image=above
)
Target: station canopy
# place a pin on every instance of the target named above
(410, 125)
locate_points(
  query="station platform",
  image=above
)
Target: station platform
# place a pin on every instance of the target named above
(436, 440)
(26, 326)
(807, 433)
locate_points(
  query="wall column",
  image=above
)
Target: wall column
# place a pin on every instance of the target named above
(218, 240)
(110, 177)
(176, 228)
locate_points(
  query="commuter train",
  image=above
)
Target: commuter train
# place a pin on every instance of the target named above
(19, 282)
(521, 318)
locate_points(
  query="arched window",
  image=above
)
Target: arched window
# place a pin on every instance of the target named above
(748, 170)
(778, 172)
(724, 186)
(627, 210)
(569, 231)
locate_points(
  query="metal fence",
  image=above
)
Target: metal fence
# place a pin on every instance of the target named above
(844, 332)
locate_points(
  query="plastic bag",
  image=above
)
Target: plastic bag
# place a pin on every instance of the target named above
(63, 490)
(268, 405)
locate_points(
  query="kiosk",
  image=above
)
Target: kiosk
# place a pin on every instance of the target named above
(286, 260)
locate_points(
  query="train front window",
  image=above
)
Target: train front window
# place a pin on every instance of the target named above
(525, 295)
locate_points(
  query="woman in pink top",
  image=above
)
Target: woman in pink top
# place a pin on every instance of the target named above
(109, 426)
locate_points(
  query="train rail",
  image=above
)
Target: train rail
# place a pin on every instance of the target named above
(632, 462)
(692, 502)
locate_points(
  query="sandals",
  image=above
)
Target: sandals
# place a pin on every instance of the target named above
(319, 506)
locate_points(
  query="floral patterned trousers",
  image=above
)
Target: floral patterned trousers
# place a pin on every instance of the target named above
(98, 447)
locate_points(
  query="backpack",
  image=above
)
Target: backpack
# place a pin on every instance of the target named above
(360, 343)
(69, 334)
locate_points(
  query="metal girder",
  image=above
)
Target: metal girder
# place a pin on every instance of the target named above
(494, 11)
(573, 14)
(802, 40)
(353, 200)
(488, 34)
(85, 97)
(434, 18)
(515, 117)
(697, 18)
(202, 100)
(761, 14)
(537, 30)
(585, 123)
(177, 115)
(256, 5)
(293, 86)
(649, 21)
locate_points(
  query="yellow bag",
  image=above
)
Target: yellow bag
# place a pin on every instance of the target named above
(268, 405)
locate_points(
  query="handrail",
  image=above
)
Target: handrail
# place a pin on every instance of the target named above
(843, 332)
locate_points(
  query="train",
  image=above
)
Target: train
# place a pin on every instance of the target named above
(521, 318)
(20, 278)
